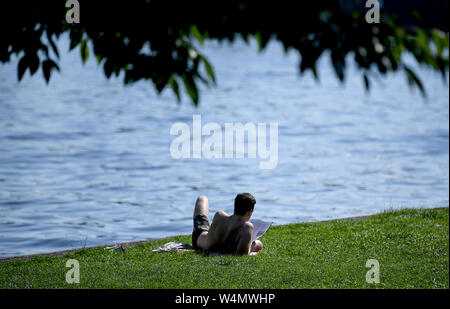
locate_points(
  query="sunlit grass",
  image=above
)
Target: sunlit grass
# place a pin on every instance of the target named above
(411, 246)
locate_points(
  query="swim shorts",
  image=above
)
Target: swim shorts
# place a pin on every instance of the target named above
(201, 224)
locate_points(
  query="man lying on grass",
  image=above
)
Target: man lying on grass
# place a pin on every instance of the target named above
(227, 234)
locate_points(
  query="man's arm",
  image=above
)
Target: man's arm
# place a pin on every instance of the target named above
(245, 239)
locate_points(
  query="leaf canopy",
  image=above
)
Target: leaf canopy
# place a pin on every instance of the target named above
(157, 39)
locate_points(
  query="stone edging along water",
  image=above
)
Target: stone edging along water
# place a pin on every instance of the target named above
(125, 245)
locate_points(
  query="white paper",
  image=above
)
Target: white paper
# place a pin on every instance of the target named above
(173, 246)
(259, 228)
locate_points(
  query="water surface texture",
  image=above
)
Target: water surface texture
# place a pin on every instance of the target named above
(85, 160)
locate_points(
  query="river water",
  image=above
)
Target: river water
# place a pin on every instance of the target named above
(86, 161)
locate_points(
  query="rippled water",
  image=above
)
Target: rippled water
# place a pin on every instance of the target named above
(86, 161)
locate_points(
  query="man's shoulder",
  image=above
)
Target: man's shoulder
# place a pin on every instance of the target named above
(248, 226)
(221, 214)
(244, 227)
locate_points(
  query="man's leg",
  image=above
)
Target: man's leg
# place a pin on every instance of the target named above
(202, 208)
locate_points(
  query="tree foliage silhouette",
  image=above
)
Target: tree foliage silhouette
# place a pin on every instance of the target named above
(156, 39)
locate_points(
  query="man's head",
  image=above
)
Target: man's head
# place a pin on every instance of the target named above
(243, 203)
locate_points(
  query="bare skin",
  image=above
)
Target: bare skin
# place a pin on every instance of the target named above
(224, 227)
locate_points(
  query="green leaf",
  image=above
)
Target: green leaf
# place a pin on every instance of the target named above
(22, 67)
(191, 88)
(99, 59)
(208, 68)
(75, 38)
(414, 80)
(52, 44)
(262, 40)
(84, 50)
(440, 40)
(160, 83)
(175, 88)
(47, 66)
(422, 40)
(314, 71)
(34, 63)
(338, 64)
(366, 81)
(197, 34)
(108, 68)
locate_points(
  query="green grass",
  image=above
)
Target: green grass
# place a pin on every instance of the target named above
(411, 246)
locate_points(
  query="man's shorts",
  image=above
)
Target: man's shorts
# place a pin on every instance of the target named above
(201, 224)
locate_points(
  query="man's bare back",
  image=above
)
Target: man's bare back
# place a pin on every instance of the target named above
(227, 234)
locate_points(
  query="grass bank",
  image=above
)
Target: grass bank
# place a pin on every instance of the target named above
(411, 246)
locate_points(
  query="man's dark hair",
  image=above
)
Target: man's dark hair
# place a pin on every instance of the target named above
(243, 202)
